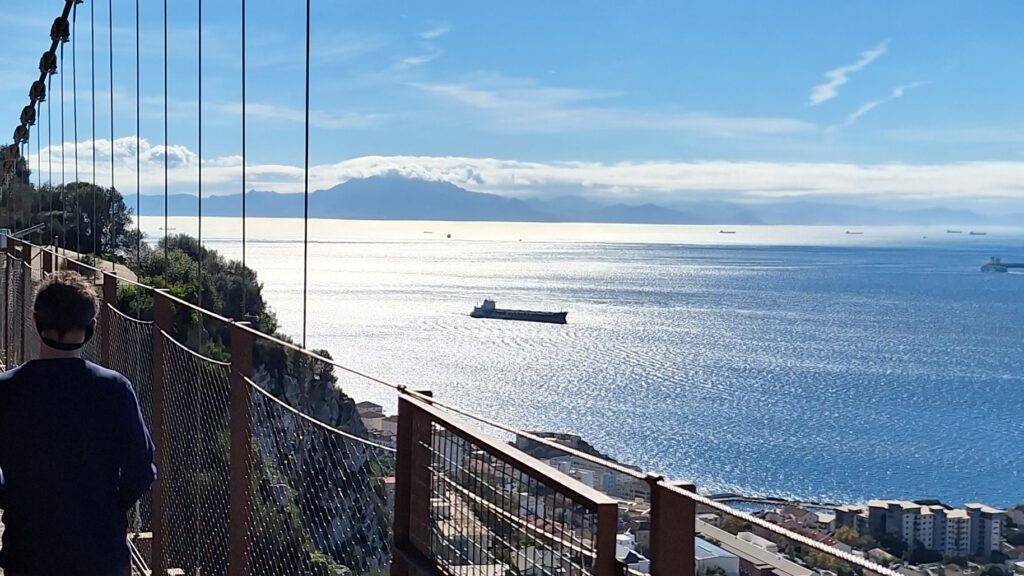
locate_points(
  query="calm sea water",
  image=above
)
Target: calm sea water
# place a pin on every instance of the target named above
(791, 361)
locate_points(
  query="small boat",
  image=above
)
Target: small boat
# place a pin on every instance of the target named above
(853, 233)
(489, 310)
(954, 231)
(973, 233)
(726, 231)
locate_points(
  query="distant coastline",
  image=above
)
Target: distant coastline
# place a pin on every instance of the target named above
(394, 198)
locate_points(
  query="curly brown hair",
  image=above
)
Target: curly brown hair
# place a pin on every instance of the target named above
(65, 301)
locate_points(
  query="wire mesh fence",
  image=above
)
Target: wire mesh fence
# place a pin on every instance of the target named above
(198, 456)
(15, 310)
(491, 514)
(93, 349)
(3, 310)
(32, 340)
(323, 496)
(132, 356)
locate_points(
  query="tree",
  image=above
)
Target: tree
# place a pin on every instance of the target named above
(847, 536)
(734, 525)
(70, 214)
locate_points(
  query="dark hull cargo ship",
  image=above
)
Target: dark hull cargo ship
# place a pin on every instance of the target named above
(489, 310)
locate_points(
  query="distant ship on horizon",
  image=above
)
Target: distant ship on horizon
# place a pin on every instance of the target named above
(489, 310)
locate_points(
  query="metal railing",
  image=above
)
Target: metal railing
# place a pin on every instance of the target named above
(252, 483)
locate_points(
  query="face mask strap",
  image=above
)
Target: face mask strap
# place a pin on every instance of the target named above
(64, 346)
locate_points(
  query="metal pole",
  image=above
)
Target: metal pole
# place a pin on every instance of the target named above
(673, 527)
(47, 262)
(27, 321)
(106, 318)
(605, 563)
(161, 435)
(412, 489)
(240, 469)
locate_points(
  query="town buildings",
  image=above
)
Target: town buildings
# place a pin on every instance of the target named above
(974, 531)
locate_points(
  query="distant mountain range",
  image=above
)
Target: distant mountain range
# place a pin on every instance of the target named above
(397, 198)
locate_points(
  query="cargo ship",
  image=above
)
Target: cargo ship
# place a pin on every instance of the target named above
(996, 264)
(489, 310)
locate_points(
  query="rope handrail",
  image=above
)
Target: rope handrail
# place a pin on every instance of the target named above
(785, 533)
(126, 317)
(312, 420)
(197, 355)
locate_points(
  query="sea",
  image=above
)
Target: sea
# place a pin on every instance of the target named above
(833, 364)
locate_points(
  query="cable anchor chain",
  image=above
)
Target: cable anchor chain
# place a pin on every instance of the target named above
(28, 115)
(60, 31)
(38, 91)
(48, 63)
(21, 134)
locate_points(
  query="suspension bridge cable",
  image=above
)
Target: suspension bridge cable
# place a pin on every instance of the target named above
(245, 308)
(305, 198)
(49, 150)
(110, 48)
(138, 143)
(39, 155)
(199, 200)
(92, 57)
(165, 143)
(74, 107)
(63, 182)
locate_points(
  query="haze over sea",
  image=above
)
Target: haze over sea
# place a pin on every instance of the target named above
(788, 361)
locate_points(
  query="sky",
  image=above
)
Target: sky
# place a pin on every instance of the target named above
(905, 104)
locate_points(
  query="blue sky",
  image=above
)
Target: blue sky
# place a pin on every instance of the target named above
(907, 103)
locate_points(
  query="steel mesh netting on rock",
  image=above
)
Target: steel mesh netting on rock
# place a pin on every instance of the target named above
(323, 497)
(198, 441)
(132, 356)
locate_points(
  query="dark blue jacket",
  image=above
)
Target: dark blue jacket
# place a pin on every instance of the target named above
(75, 455)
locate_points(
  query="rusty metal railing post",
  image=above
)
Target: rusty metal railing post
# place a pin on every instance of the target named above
(161, 435)
(605, 562)
(240, 469)
(47, 261)
(27, 306)
(106, 318)
(412, 489)
(673, 528)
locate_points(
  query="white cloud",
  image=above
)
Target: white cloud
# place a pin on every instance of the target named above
(625, 181)
(870, 105)
(523, 105)
(435, 32)
(317, 118)
(839, 76)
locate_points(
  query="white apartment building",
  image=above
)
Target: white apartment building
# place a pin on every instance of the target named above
(973, 531)
(986, 528)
